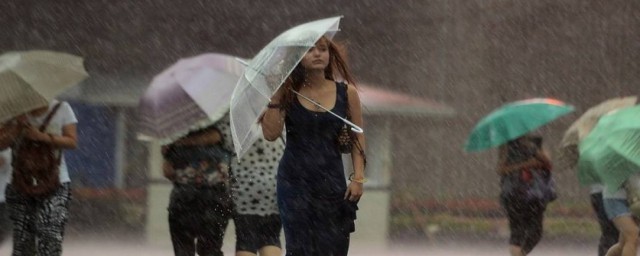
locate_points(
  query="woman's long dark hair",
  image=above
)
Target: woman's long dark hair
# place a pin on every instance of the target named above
(337, 63)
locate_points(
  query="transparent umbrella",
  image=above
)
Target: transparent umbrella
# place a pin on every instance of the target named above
(266, 72)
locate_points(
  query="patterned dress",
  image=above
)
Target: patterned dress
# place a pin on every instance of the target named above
(254, 178)
(200, 203)
(253, 186)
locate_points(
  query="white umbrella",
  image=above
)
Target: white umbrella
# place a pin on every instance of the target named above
(31, 79)
(191, 94)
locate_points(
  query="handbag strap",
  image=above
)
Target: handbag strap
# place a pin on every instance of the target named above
(47, 119)
(346, 100)
(46, 122)
(353, 137)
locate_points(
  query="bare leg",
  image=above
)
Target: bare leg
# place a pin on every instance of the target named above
(270, 250)
(515, 250)
(628, 241)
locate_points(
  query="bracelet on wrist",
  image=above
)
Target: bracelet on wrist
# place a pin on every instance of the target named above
(353, 179)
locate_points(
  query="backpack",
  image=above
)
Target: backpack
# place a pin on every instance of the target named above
(529, 185)
(36, 165)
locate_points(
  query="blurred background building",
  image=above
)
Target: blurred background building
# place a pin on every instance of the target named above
(472, 56)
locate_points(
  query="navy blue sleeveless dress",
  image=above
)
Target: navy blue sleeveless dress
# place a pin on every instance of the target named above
(311, 182)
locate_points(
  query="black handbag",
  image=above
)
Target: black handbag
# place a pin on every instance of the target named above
(540, 187)
(347, 138)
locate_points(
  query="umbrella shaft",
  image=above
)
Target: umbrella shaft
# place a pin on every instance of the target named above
(354, 127)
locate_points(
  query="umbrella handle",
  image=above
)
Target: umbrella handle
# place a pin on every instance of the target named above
(354, 127)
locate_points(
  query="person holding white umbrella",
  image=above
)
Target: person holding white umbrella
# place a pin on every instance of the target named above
(184, 108)
(38, 128)
(5, 172)
(317, 207)
(200, 205)
(39, 220)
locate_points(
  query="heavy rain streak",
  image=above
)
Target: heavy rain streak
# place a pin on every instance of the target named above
(371, 127)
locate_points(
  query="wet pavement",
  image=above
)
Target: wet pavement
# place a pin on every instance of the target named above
(82, 247)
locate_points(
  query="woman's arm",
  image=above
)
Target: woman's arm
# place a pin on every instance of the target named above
(209, 137)
(272, 120)
(357, 156)
(539, 161)
(68, 139)
(543, 157)
(529, 163)
(167, 170)
(354, 191)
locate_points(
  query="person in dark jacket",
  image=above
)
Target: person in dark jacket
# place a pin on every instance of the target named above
(517, 159)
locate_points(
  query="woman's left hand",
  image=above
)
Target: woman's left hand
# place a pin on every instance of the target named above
(34, 134)
(354, 192)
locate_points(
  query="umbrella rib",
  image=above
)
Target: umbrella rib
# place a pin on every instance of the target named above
(354, 127)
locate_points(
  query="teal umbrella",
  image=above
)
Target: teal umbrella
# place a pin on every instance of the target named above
(611, 151)
(514, 120)
(588, 158)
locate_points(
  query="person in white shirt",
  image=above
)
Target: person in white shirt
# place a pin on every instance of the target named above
(39, 222)
(5, 172)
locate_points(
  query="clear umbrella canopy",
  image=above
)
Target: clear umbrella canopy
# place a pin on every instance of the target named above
(266, 72)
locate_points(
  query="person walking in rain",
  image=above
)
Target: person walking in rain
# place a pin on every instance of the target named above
(39, 222)
(5, 172)
(617, 208)
(316, 205)
(200, 204)
(608, 232)
(516, 159)
(253, 188)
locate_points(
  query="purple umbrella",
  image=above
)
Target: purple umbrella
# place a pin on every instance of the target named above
(191, 94)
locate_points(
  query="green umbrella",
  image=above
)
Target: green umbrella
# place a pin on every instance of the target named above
(514, 120)
(611, 151)
(579, 129)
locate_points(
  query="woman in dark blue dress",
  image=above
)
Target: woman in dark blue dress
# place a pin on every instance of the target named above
(317, 206)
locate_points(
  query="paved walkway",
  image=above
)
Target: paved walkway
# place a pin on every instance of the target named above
(79, 247)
